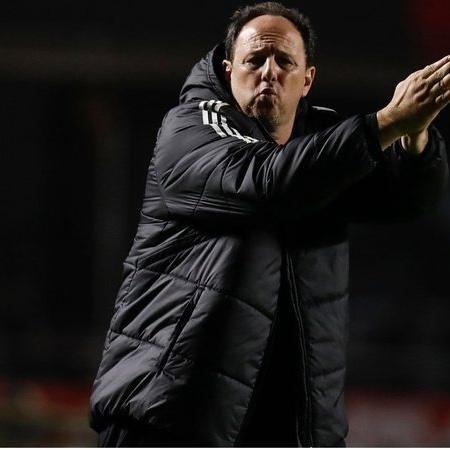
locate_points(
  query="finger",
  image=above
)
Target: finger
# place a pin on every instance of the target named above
(441, 85)
(429, 70)
(443, 99)
(439, 74)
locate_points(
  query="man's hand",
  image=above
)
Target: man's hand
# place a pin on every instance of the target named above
(416, 102)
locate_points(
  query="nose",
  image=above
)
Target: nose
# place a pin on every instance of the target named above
(270, 70)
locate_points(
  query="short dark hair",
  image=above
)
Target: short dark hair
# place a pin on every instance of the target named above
(245, 14)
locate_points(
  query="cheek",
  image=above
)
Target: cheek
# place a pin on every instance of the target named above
(295, 89)
(242, 86)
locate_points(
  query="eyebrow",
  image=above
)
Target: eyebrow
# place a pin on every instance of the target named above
(264, 50)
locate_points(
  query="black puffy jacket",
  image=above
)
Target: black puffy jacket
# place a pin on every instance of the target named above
(231, 225)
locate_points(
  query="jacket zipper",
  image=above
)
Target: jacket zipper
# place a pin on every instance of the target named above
(306, 428)
(306, 440)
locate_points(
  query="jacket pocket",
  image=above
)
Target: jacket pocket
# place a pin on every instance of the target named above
(181, 323)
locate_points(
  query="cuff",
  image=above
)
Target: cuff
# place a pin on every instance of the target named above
(426, 155)
(373, 140)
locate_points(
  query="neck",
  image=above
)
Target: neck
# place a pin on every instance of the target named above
(282, 133)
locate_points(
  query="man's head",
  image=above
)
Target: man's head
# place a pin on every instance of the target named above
(269, 65)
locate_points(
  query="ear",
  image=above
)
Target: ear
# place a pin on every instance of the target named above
(227, 66)
(309, 78)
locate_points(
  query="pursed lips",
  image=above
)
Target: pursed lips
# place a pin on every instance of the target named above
(267, 91)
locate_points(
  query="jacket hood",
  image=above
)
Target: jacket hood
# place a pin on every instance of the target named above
(205, 81)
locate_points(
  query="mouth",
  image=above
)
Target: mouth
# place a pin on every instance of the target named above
(267, 91)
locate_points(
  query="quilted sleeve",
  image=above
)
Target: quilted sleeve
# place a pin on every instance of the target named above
(208, 169)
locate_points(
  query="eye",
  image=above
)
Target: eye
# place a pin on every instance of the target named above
(284, 61)
(255, 61)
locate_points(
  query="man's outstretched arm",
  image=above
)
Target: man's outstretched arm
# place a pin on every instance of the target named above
(205, 175)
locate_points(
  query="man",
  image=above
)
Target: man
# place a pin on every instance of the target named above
(230, 326)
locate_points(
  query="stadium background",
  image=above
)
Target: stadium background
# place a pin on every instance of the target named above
(84, 86)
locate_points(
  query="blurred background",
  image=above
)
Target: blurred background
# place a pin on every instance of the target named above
(83, 88)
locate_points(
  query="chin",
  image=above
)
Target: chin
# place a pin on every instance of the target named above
(262, 108)
(270, 122)
(269, 116)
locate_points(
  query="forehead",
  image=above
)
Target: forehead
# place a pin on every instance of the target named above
(267, 32)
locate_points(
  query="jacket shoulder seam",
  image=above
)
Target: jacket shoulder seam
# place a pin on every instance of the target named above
(157, 178)
(158, 183)
(324, 109)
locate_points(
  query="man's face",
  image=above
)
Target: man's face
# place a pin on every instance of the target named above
(268, 74)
